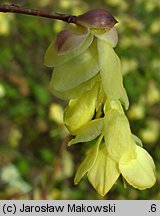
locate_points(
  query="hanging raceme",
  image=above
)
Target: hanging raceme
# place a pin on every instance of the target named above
(87, 73)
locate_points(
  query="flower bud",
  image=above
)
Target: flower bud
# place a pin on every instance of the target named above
(97, 18)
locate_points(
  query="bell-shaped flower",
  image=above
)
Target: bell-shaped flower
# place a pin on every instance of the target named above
(121, 146)
(120, 154)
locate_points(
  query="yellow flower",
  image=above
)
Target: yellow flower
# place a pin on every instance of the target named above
(118, 155)
(104, 171)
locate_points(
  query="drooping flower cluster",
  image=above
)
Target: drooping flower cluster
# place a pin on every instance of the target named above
(87, 72)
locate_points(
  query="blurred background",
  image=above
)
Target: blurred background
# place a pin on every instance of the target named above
(35, 162)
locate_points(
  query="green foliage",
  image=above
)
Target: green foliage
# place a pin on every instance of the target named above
(32, 142)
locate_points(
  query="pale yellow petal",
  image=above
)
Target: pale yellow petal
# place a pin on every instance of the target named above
(104, 173)
(113, 105)
(89, 131)
(77, 91)
(124, 98)
(118, 137)
(52, 59)
(110, 36)
(88, 162)
(76, 71)
(140, 171)
(137, 140)
(110, 70)
(81, 110)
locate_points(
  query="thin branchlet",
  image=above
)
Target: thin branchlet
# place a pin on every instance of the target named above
(12, 8)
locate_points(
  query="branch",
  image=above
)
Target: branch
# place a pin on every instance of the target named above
(12, 8)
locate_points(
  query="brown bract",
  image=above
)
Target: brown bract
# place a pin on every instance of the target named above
(97, 18)
(68, 40)
(61, 38)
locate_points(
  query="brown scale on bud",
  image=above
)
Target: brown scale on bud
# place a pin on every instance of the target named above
(68, 40)
(61, 38)
(97, 18)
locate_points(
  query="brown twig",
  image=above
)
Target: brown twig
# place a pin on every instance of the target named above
(12, 8)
